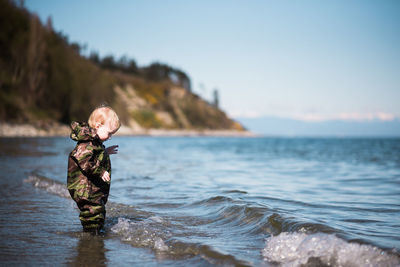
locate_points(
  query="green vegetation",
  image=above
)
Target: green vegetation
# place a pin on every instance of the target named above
(43, 77)
(146, 118)
(39, 70)
(156, 72)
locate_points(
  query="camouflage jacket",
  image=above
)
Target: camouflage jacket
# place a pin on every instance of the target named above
(86, 165)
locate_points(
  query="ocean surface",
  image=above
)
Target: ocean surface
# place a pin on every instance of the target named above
(205, 201)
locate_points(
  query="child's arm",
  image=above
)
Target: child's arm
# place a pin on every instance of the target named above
(112, 149)
(106, 176)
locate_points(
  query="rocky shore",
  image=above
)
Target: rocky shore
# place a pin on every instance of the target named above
(58, 129)
(33, 130)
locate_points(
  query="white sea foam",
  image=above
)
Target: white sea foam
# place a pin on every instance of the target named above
(145, 233)
(159, 245)
(156, 219)
(49, 185)
(295, 249)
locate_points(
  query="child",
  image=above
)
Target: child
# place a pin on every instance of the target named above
(89, 166)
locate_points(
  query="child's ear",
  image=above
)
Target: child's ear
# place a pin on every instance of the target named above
(97, 125)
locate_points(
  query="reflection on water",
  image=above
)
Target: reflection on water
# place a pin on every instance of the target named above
(90, 251)
(35, 147)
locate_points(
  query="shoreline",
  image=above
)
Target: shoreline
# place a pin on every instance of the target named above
(58, 129)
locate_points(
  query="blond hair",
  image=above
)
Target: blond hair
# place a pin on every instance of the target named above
(104, 115)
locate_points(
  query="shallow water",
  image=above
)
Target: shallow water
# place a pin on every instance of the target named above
(209, 201)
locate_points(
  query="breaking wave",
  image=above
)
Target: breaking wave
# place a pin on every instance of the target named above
(49, 185)
(290, 244)
(319, 249)
(144, 233)
(145, 229)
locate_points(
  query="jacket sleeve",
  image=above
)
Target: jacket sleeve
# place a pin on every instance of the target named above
(89, 159)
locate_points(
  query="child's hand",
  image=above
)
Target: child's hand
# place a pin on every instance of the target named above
(106, 176)
(112, 149)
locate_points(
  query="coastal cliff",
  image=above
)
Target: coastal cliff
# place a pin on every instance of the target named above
(47, 82)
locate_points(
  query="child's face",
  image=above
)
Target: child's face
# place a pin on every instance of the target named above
(104, 131)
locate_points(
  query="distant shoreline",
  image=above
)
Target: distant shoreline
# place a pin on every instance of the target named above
(58, 129)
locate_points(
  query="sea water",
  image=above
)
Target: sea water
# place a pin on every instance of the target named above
(185, 201)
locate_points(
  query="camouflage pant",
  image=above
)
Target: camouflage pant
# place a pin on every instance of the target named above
(92, 215)
(91, 199)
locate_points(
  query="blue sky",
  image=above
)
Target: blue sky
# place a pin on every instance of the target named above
(309, 60)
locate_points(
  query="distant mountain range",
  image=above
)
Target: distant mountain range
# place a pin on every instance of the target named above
(276, 126)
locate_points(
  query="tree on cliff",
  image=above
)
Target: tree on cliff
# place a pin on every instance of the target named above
(35, 61)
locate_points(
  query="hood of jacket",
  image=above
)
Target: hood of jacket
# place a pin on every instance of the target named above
(81, 131)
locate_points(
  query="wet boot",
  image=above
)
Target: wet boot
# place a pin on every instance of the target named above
(95, 231)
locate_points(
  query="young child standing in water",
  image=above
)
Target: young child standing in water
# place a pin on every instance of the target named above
(89, 166)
